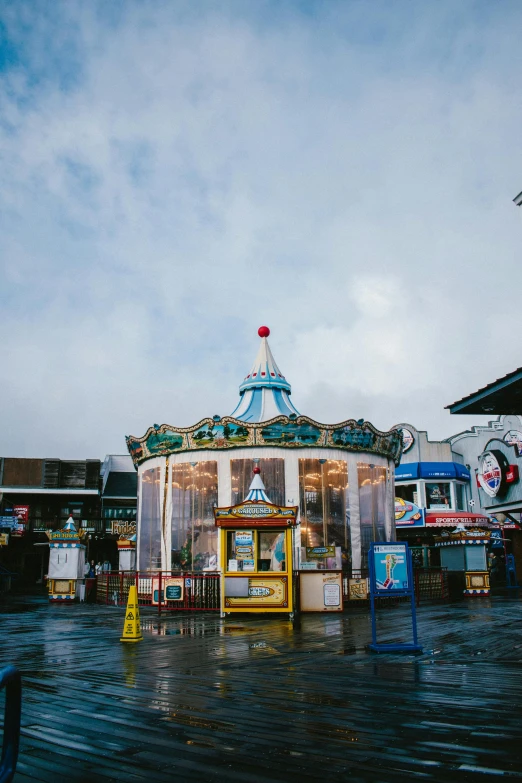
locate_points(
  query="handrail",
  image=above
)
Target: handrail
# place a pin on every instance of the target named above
(11, 680)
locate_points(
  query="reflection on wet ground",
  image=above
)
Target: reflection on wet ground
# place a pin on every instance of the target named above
(256, 699)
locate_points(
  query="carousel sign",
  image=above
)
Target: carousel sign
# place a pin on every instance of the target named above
(256, 511)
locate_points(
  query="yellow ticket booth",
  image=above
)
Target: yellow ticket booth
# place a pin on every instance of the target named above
(256, 545)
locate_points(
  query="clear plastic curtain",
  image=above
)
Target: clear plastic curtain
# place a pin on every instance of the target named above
(372, 505)
(324, 507)
(150, 520)
(272, 474)
(194, 537)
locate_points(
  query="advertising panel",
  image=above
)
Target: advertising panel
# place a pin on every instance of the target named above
(408, 514)
(391, 567)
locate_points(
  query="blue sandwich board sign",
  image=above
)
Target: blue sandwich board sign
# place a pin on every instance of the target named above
(391, 573)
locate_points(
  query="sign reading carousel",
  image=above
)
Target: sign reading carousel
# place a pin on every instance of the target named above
(327, 486)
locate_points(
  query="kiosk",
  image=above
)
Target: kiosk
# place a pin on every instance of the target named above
(126, 553)
(66, 575)
(256, 545)
(463, 553)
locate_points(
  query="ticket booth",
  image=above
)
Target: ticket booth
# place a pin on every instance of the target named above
(463, 553)
(256, 545)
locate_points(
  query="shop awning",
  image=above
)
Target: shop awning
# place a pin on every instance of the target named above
(454, 518)
(432, 470)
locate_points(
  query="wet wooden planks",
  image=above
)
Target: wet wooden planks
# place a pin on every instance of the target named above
(252, 699)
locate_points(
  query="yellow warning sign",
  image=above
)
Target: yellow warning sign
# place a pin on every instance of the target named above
(131, 626)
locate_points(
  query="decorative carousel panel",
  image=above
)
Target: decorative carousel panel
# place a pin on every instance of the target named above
(281, 431)
(221, 435)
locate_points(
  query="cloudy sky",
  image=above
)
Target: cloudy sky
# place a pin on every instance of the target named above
(174, 175)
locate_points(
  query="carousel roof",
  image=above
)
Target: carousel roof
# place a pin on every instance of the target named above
(265, 391)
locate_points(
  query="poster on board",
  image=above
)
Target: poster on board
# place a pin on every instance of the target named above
(390, 567)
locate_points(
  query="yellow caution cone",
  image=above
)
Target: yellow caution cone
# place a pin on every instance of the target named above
(131, 627)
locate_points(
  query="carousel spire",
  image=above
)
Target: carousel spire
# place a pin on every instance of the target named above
(265, 391)
(257, 488)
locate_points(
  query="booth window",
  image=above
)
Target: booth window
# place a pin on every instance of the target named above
(194, 537)
(408, 492)
(272, 473)
(324, 507)
(267, 551)
(372, 505)
(438, 496)
(150, 524)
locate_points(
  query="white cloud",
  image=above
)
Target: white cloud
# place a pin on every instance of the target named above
(202, 173)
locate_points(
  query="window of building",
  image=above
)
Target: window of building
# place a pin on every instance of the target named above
(263, 551)
(324, 507)
(194, 537)
(409, 492)
(438, 496)
(460, 496)
(272, 474)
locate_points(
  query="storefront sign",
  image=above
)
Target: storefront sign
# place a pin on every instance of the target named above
(454, 518)
(408, 514)
(255, 511)
(390, 567)
(123, 528)
(407, 440)
(514, 438)
(320, 551)
(62, 535)
(495, 473)
(4, 539)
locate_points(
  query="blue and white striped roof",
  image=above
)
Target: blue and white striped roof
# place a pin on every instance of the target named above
(265, 392)
(257, 489)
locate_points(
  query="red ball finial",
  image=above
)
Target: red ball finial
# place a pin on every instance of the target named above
(257, 470)
(263, 331)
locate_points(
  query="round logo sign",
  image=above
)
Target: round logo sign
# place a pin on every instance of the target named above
(490, 472)
(514, 438)
(407, 440)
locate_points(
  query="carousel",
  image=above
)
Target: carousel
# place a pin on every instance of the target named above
(339, 478)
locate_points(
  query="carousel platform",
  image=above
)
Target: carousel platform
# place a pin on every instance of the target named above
(258, 700)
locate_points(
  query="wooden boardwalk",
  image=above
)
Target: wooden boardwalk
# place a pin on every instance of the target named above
(255, 700)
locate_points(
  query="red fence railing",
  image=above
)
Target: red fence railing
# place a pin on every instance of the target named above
(199, 592)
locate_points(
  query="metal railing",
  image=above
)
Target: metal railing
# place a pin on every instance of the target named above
(431, 584)
(200, 591)
(10, 680)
